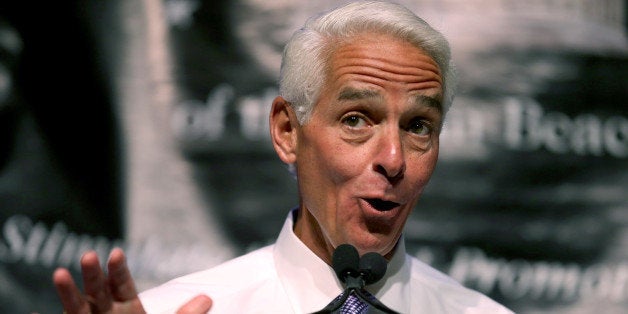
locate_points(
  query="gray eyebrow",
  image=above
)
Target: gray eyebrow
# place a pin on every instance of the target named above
(429, 101)
(356, 94)
(350, 93)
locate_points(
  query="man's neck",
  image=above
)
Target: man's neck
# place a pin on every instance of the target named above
(307, 229)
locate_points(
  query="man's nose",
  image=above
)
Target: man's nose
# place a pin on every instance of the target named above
(389, 158)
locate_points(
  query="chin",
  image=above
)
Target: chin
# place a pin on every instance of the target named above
(375, 244)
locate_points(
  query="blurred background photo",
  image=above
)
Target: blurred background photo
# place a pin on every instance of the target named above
(144, 124)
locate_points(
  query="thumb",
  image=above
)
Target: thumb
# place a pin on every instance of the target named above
(197, 305)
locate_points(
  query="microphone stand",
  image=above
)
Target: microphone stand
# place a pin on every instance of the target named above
(356, 286)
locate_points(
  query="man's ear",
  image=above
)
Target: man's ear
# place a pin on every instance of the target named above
(283, 130)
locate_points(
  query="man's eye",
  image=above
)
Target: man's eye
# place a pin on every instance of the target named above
(419, 127)
(353, 121)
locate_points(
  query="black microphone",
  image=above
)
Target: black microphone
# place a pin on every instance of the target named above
(345, 261)
(372, 266)
(356, 272)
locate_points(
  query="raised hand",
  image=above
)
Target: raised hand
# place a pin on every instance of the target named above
(113, 292)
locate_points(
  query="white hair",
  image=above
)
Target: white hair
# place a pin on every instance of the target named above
(304, 60)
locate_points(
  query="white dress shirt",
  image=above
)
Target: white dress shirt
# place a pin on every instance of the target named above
(287, 277)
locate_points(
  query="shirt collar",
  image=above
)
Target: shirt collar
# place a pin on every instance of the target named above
(311, 284)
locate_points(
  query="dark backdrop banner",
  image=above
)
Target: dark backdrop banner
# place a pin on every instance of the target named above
(143, 124)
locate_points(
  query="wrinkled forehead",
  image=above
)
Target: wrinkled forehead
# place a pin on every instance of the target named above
(385, 58)
(333, 43)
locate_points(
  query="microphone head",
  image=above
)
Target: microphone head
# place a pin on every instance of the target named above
(345, 260)
(372, 266)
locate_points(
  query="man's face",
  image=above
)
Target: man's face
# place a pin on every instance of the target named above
(369, 147)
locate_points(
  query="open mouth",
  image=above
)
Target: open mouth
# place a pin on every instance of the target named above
(381, 205)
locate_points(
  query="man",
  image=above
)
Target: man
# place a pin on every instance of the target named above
(364, 90)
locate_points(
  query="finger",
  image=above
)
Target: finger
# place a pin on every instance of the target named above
(70, 295)
(94, 281)
(199, 304)
(121, 282)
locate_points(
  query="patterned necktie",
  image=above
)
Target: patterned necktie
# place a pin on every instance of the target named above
(353, 305)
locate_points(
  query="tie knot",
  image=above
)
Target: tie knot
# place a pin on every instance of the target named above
(354, 305)
(354, 301)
